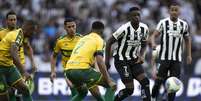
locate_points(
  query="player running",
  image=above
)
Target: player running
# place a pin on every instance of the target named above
(173, 31)
(79, 69)
(132, 39)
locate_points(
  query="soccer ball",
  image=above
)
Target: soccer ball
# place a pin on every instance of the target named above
(173, 84)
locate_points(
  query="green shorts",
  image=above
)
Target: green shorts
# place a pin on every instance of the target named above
(78, 77)
(9, 76)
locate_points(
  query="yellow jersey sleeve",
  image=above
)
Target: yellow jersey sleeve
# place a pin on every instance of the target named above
(3, 32)
(100, 47)
(56, 47)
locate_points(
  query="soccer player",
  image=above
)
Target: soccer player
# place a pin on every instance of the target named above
(131, 38)
(65, 45)
(79, 68)
(11, 21)
(173, 31)
(9, 58)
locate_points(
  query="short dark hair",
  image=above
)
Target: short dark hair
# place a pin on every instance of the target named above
(174, 3)
(69, 19)
(97, 25)
(134, 8)
(33, 24)
(10, 13)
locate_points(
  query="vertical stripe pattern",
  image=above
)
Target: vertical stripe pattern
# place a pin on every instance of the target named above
(171, 39)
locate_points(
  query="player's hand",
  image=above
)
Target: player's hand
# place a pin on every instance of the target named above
(52, 77)
(112, 84)
(189, 59)
(33, 69)
(140, 60)
(26, 76)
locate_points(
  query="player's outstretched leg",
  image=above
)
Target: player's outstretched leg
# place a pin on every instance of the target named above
(109, 94)
(23, 89)
(171, 96)
(11, 92)
(156, 87)
(110, 91)
(82, 93)
(72, 88)
(73, 91)
(124, 93)
(145, 91)
(96, 93)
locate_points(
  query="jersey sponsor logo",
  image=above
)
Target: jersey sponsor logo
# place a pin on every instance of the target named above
(134, 43)
(66, 53)
(174, 33)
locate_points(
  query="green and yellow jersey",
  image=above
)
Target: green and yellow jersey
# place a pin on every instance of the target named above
(65, 45)
(15, 36)
(82, 56)
(3, 32)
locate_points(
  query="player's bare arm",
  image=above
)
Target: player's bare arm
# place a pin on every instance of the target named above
(53, 63)
(108, 50)
(30, 55)
(188, 49)
(16, 59)
(103, 70)
(152, 37)
(153, 66)
(142, 52)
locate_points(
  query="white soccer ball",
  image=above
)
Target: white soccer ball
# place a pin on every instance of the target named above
(173, 84)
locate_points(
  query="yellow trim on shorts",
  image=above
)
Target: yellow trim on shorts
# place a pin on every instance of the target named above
(96, 82)
(4, 93)
(16, 81)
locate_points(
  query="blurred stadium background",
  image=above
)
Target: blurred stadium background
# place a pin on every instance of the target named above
(51, 14)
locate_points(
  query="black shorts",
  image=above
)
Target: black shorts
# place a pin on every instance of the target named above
(128, 70)
(173, 67)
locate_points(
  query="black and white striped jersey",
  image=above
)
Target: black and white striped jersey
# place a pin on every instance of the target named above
(130, 40)
(172, 34)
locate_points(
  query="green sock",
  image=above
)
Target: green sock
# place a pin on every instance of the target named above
(27, 97)
(12, 97)
(73, 92)
(109, 95)
(99, 98)
(80, 95)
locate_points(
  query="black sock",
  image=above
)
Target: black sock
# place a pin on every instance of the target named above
(145, 91)
(123, 94)
(171, 96)
(155, 90)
